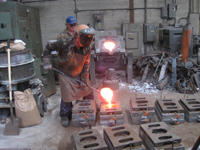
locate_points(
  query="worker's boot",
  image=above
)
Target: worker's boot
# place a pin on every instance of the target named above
(65, 121)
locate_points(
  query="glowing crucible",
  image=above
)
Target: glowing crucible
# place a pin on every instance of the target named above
(109, 45)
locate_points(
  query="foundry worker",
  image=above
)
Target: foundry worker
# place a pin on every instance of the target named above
(74, 60)
(70, 29)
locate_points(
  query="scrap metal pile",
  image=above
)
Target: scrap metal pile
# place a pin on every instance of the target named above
(163, 70)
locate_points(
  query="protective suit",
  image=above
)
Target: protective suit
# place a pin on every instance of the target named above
(74, 62)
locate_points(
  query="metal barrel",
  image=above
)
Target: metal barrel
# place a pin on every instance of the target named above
(22, 68)
(186, 42)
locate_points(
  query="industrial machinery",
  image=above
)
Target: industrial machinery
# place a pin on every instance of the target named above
(110, 53)
(172, 39)
(18, 21)
(22, 71)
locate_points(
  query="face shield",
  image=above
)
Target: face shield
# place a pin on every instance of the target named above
(86, 36)
(86, 40)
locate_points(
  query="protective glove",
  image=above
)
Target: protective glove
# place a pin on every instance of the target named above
(47, 63)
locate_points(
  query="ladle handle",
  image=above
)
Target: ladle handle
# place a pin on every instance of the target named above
(75, 79)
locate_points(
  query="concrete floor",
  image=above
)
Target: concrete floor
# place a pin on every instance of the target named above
(50, 135)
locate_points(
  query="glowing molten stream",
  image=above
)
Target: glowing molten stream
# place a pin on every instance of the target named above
(109, 45)
(107, 94)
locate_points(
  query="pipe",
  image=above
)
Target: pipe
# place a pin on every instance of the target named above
(38, 1)
(145, 6)
(131, 5)
(145, 21)
(174, 1)
(115, 9)
(192, 6)
(76, 11)
(181, 19)
(189, 9)
(76, 79)
(198, 5)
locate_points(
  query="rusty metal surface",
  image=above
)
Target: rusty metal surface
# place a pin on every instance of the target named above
(158, 134)
(121, 137)
(87, 140)
(170, 106)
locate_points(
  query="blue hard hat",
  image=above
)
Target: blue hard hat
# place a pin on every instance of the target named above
(71, 20)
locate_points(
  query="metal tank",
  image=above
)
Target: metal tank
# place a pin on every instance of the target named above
(22, 68)
(186, 45)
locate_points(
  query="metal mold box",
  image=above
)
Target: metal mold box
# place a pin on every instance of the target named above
(191, 109)
(87, 140)
(159, 136)
(111, 116)
(168, 110)
(139, 107)
(84, 113)
(122, 138)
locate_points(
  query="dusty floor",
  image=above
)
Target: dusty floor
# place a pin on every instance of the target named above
(50, 135)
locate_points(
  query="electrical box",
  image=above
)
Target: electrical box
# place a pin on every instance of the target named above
(133, 35)
(18, 21)
(6, 28)
(132, 39)
(149, 32)
(172, 38)
(99, 22)
(164, 12)
(172, 10)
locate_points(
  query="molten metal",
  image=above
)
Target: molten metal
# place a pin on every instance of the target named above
(111, 106)
(109, 45)
(107, 94)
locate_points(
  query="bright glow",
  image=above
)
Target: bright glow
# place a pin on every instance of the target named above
(111, 106)
(107, 94)
(109, 45)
